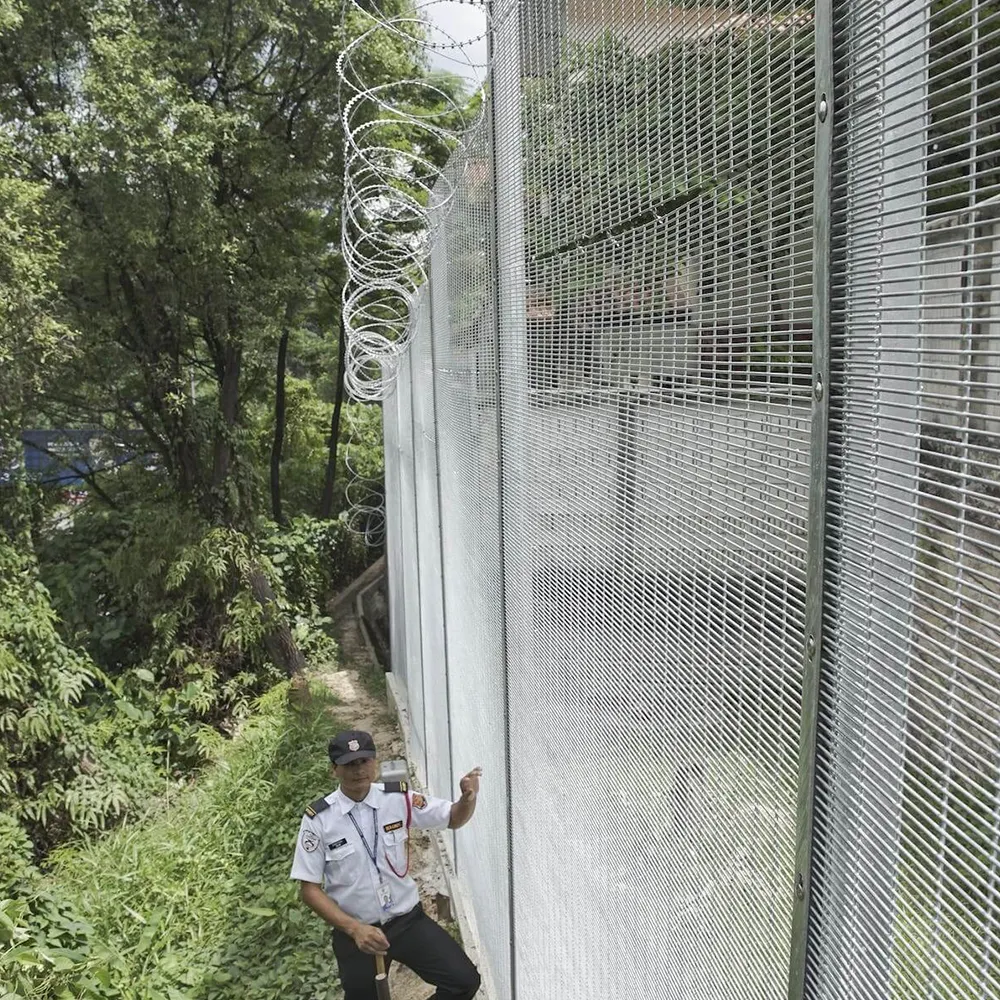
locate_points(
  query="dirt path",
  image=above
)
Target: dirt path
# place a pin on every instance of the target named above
(359, 709)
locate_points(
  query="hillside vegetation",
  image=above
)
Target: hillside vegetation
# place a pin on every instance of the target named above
(172, 473)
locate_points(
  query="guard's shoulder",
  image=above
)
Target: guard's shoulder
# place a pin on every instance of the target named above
(395, 786)
(315, 808)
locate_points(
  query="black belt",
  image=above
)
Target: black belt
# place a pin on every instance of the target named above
(409, 913)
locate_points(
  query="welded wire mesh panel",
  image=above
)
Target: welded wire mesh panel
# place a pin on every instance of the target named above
(409, 662)
(464, 351)
(654, 390)
(908, 822)
(393, 536)
(428, 555)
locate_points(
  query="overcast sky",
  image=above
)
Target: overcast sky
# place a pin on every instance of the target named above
(465, 23)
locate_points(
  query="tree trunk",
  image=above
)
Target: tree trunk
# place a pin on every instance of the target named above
(229, 397)
(326, 504)
(278, 641)
(279, 429)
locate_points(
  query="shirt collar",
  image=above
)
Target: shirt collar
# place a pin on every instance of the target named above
(346, 805)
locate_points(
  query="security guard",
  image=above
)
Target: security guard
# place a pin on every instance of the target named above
(352, 862)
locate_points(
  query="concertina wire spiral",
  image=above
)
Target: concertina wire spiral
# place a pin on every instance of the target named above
(394, 202)
(394, 199)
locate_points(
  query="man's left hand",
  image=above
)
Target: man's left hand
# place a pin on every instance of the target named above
(469, 785)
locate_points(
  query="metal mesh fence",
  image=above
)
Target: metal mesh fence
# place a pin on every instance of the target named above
(693, 498)
(907, 819)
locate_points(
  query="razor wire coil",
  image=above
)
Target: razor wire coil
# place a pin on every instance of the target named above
(395, 198)
(394, 201)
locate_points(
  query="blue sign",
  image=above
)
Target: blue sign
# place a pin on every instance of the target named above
(66, 457)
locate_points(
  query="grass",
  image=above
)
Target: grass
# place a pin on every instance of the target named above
(196, 903)
(371, 674)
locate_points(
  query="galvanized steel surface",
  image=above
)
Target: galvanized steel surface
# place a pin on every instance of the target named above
(600, 465)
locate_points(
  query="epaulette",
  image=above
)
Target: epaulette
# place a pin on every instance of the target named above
(316, 807)
(396, 786)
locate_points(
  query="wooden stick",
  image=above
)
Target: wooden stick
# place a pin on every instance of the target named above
(381, 979)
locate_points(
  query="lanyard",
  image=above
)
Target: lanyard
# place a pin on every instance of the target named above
(372, 851)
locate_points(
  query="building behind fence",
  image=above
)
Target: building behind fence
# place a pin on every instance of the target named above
(693, 489)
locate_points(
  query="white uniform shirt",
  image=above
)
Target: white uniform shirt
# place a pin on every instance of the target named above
(330, 852)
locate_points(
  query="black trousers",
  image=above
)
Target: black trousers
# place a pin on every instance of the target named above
(417, 942)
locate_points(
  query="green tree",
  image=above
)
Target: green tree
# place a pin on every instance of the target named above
(194, 157)
(170, 181)
(650, 177)
(57, 773)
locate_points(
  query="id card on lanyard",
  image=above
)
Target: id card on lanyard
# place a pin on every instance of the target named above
(384, 890)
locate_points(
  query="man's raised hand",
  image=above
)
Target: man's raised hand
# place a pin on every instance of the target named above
(469, 785)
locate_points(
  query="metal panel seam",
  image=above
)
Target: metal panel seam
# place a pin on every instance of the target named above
(440, 511)
(498, 368)
(812, 659)
(416, 559)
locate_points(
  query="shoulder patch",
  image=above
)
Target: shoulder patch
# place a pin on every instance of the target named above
(396, 786)
(316, 807)
(419, 801)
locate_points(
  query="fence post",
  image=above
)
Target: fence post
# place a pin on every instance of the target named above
(417, 605)
(812, 646)
(437, 286)
(510, 350)
(393, 521)
(872, 536)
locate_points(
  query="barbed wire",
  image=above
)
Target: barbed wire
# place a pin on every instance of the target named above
(396, 197)
(395, 194)
(365, 495)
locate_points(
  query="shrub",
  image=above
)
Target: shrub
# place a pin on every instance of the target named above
(195, 903)
(314, 558)
(172, 651)
(59, 776)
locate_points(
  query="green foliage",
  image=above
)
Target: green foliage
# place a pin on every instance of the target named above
(16, 850)
(160, 605)
(309, 407)
(307, 428)
(196, 903)
(165, 602)
(30, 338)
(29, 251)
(169, 206)
(314, 558)
(59, 773)
(153, 584)
(964, 91)
(607, 145)
(193, 157)
(362, 437)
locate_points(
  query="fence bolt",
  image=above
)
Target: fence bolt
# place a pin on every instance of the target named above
(823, 108)
(818, 387)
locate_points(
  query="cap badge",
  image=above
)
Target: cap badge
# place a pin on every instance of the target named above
(353, 745)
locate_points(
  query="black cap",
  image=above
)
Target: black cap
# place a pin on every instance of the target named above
(353, 744)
